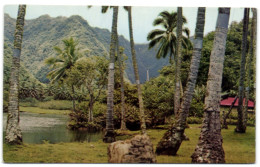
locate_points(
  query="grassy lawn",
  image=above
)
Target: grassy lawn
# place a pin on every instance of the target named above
(39, 110)
(239, 148)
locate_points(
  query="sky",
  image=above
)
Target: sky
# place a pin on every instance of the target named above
(143, 17)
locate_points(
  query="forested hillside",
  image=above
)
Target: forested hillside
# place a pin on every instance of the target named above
(45, 32)
(29, 85)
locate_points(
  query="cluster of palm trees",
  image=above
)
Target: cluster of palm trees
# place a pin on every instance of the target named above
(114, 49)
(169, 41)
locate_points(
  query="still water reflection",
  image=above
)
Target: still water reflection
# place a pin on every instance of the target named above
(50, 127)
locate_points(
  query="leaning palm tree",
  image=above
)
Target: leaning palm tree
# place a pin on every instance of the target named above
(170, 143)
(241, 126)
(65, 59)
(165, 39)
(209, 148)
(137, 80)
(110, 134)
(13, 131)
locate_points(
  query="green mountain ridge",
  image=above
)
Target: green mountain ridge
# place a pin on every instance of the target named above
(43, 33)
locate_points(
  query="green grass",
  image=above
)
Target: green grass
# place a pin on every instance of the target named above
(43, 111)
(239, 148)
(51, 104)
(57, 153)
(56, 104)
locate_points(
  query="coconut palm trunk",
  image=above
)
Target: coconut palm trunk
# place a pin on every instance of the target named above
(137, 80)
(13, 131)
(122, 88)
(241, 127)
(73, 98)
(209, 148)
(249, 64)
(110, 134)
(177, 93)
(170, 143)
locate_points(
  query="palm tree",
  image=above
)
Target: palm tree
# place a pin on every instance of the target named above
(121, 73)
(176, 133)
(241, 127)
(119, 54)
(178, 63)
(251, 55)
(137, 80)
(209, 148)
(110, 134)
(167, 41)
(166, 38)
(66, 58)
(13, 131)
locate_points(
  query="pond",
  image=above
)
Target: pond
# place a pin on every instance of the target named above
(37, 128)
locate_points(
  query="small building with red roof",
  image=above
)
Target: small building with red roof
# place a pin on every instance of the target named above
(228, 102)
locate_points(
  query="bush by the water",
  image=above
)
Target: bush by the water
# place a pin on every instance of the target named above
(79, 118)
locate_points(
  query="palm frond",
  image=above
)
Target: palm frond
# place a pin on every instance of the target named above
(186, 43)
(154, 33)
(163, 49)
(104, 9)
(184, 20)
(154, 42)
(57, 49)
(159, 21)
(60, 73)
(126, 8)
(165, 14)
(186, 31)
(52, 60)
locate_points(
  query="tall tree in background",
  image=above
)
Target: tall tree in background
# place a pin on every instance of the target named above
(209, 148)
(241, 126)
(110, 134)
(249, 62)
(13, 131)
(174, 136)
(177, 93)
(137, 80)
(122, 88)
(64, 61)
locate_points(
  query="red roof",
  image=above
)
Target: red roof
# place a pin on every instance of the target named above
(229, 101)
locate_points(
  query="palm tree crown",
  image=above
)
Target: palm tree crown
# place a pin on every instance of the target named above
(66, 58)
(166, 38)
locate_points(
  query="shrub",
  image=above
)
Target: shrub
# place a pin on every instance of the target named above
(196, 108)
(48, 98)
(194, 120)
(79, 119)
